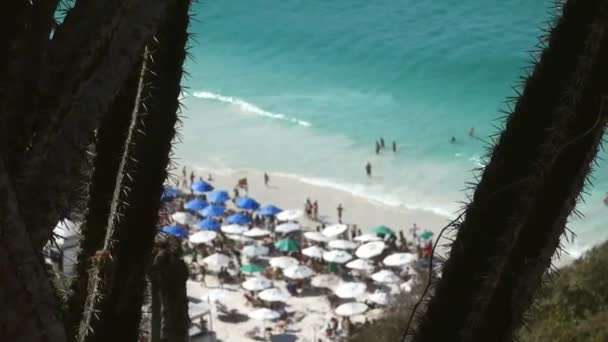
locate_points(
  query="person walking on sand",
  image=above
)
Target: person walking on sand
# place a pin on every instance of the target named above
(315, 210)
(266, 179)
(210, 178)
(377, 147)
(185, 173)
(192, 176)
(394, 146)
(606, 199)
(382, 142)
(368, 169)
(340, 210)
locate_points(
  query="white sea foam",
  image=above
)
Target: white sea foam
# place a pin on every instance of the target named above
(248, 107)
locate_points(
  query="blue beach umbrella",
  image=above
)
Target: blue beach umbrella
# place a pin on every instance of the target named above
(170, 193)
(269, 210)
(218, 196)
(175, 230)
(246, 202)
(196, 204)
(209, 224)
(212, 211)
(239, 218)
(201, 186)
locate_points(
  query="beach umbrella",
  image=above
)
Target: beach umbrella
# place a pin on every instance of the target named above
(426, 235)
(257, 283)
(234, 229)
(361, 264)
(386, 276)
(351, 309)
(350, 289)
(213, 210)
(264, 314)
(239, 218)
(288, 227)
(202, 237)
(209, 224)
(370, 249)
(314, 252)
(316, 236)
(283, 262)
(196, 204)
(217, 259)
(325, 280)
(269, 210)
(251, 268)
(337, 256)
(175, 230)
(383, 230)
(274, 295)
(257, 232)
(217, 295)
(289, 215)
(298, 272)
(218, 196)
(399, 259)
(380, 297)
(183, 218)
(240, 238)
(246, 202)
(334, 230)
(368, 238)
(170, 193)
(342, 244)
(287, 245)
(253, 250)
(201, 186)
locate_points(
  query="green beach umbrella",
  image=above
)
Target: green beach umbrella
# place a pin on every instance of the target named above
(287, 245)
(383, 230)
(251, 268)
(427, 234)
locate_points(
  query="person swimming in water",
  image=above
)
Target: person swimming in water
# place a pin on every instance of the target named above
(472, 132)
(453, 140)
(368, 169)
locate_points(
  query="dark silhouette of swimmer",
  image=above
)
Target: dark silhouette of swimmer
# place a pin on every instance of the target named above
(368, 169)
(453, 140)
(394, 147)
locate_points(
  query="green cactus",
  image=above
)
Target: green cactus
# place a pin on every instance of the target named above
(528, 189)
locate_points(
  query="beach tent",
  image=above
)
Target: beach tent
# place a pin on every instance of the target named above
(196, 204)
(183, 218)
(257, 232)
(316, 236)
(234, 229)
(313, 252)
(239, 218)
(253, 250)
(361, 264)
(175, 230)
(325, 280)
(350, 289)
(334, 230)
(385, 276)
(287, 245)
(370, 249)
(298, 272)
(217, 259)
(218, 196)
(246, 202)
(399, 259)
(257, 284)
(170, 193)
(289, 215)
(286, 228)
(269, 210)
(209, 224)
(342, 244)
(337, 256)
(202, 237)
(351, 309)
(368, 238)
(201, 186)
(251, 268)
(212, 211)
(383, 230)
(283, 262)
(274, 295)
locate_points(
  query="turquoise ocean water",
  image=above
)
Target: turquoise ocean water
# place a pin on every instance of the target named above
(304, 88)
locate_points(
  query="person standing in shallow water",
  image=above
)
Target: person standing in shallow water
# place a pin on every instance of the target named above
(377, 147)
(340, 209)
(453, 140)
(394, 146)
(472, 132)
(368, 169)
(382, 142)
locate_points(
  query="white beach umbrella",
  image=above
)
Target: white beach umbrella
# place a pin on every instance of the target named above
(399, 259)
(325, 280)
(368, 238)
(316, 236)
(289, 215)
(257, 283)
(234, 229)
(288, 227)
(351, 309)
(240, 238)
(334, 230)
(217, 295)
(313, 252)
(361, 264)
(370, 249)
(283, 262)
(350, 289)
(264, 314)
(380, 297)
(257, 232)
(254, 250)
(298, 272)
(342, 244)
(274, 295)
(386, 276)
(184, 218)
(337, 256)
(217, 259)
(203, 236)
